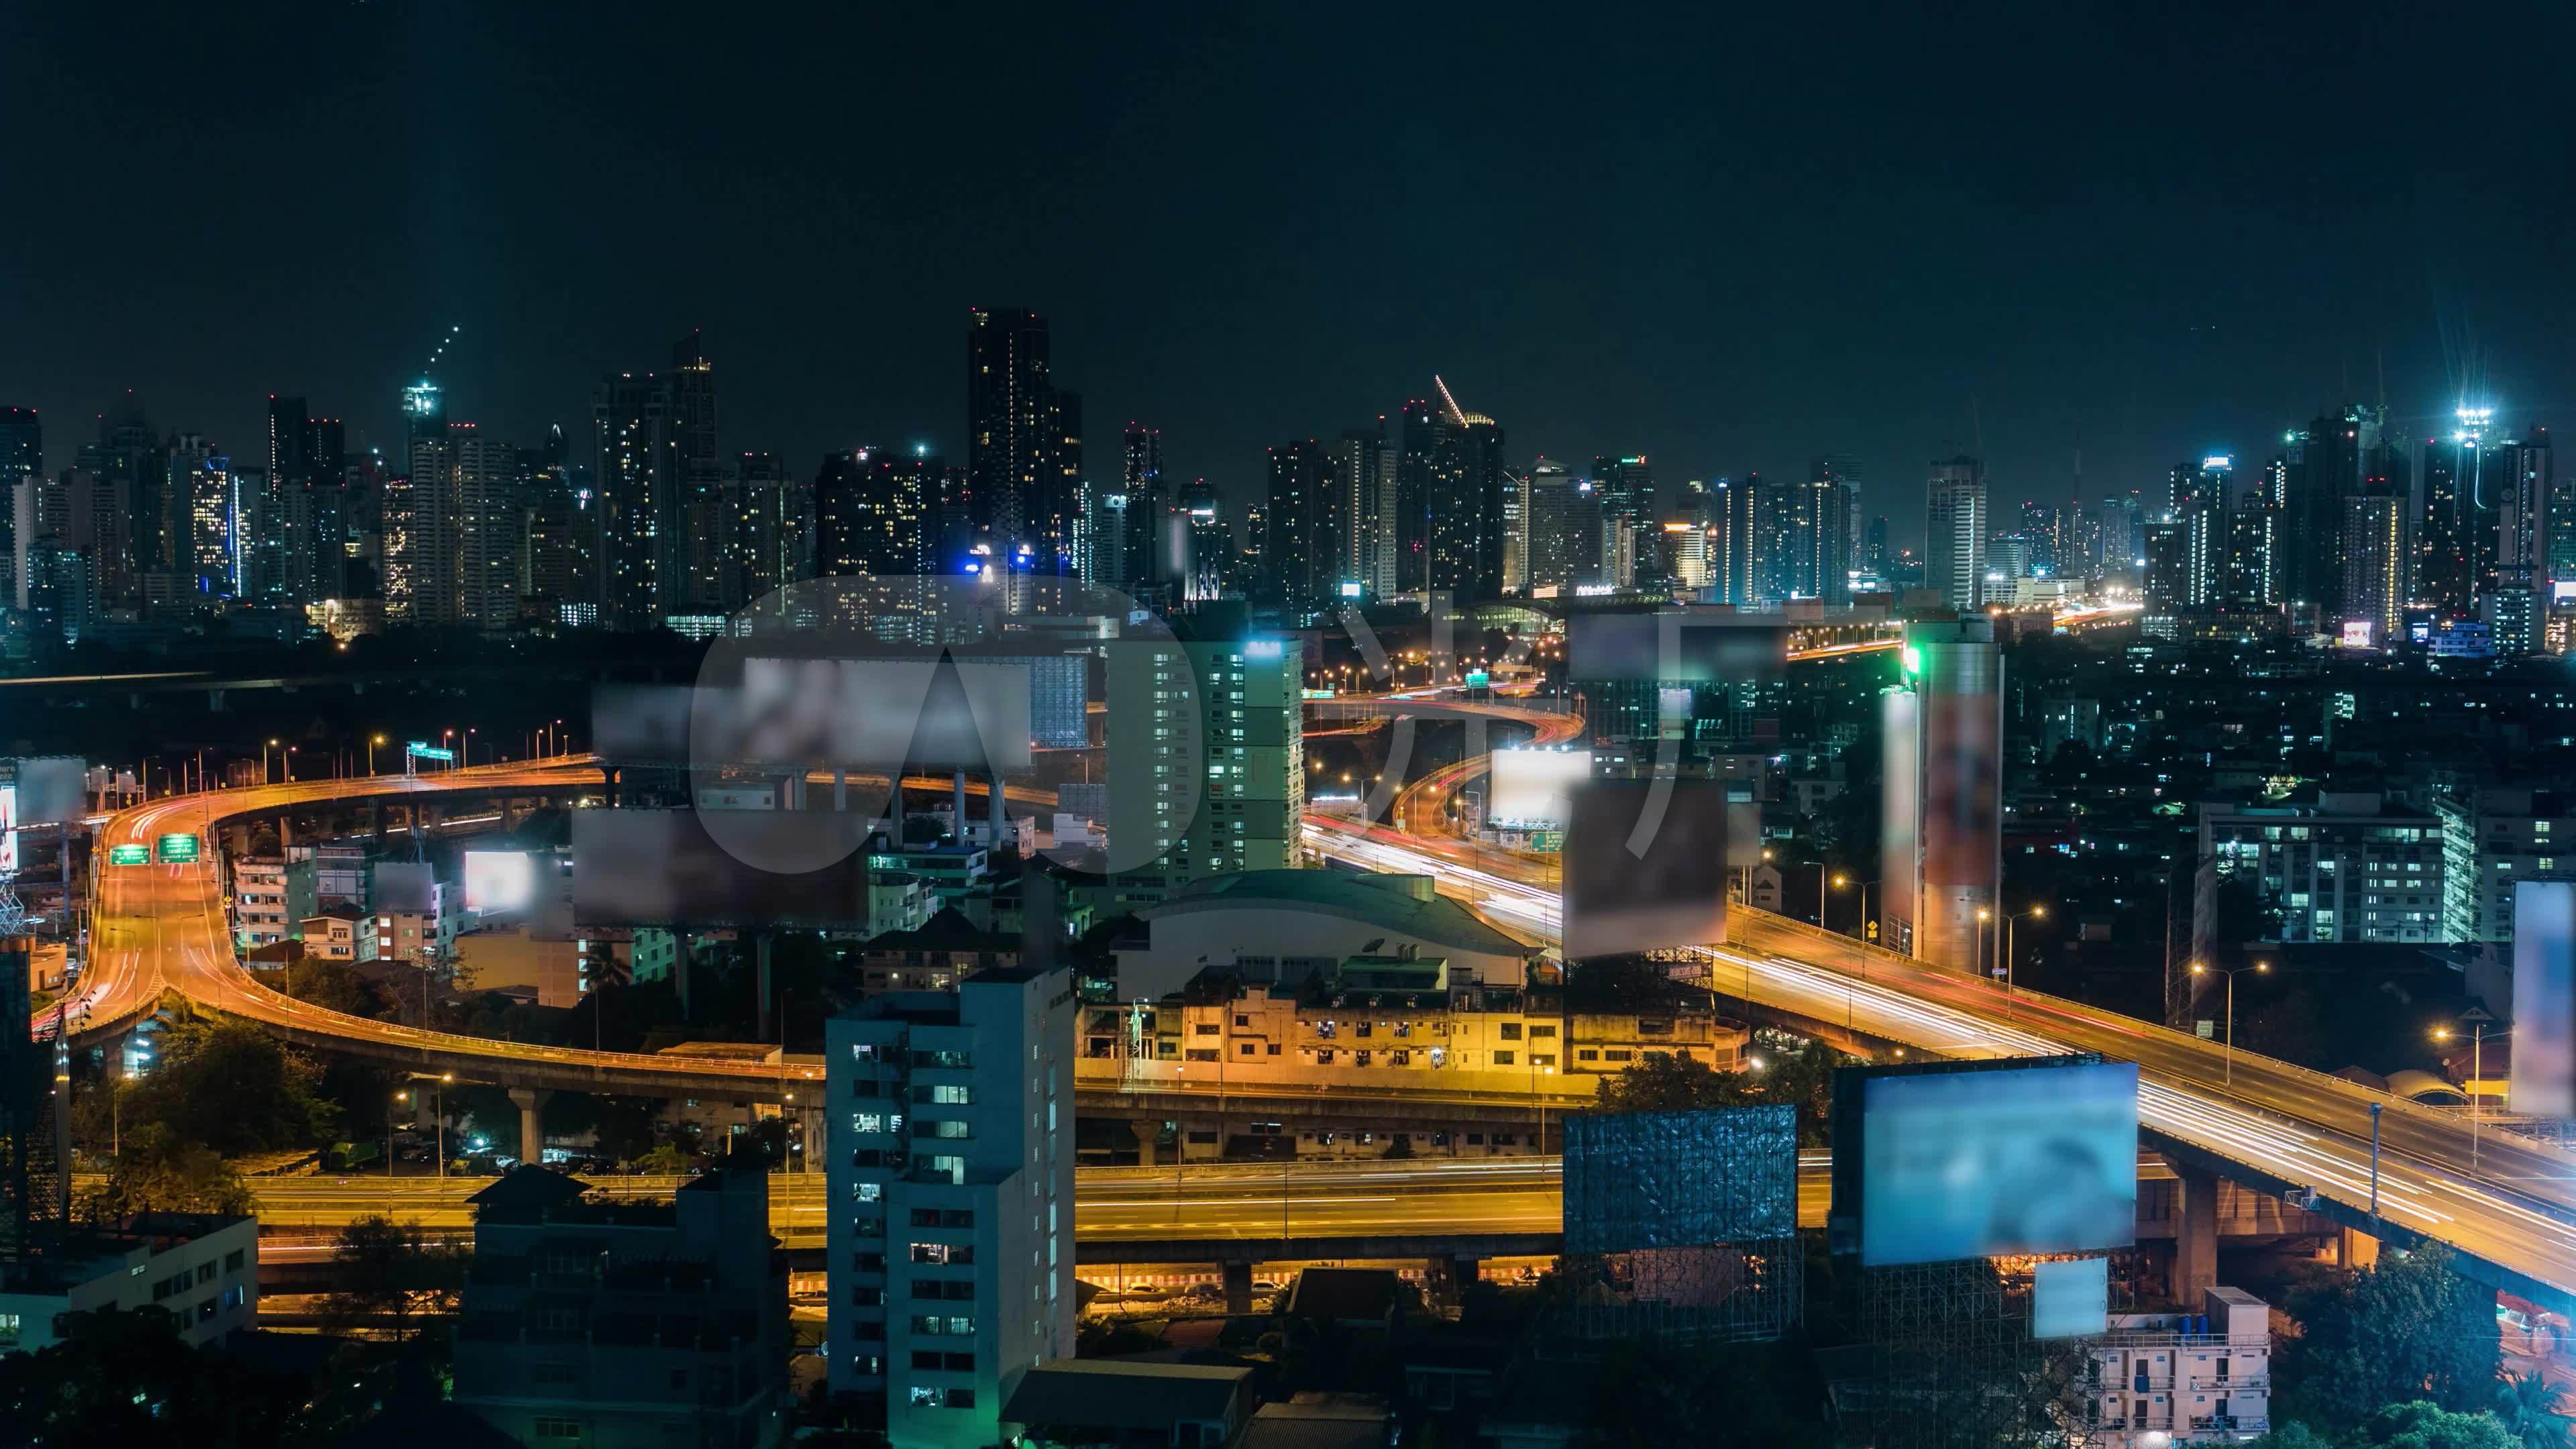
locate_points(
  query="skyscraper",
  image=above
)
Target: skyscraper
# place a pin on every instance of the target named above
(1825, 536)
(2322, 464)
(2524, 481)
(1631, 525)
(1874, 554)
(777, 528)
(480, 512)
(2455, 543)
(2198, 501)
(150, 531)
(1955, 532)
(2374, 562)
(22, 466)
(1363, 490)
(1564, 527)
(1304, 547)
(695, 508)
(631, 472)
(1024, 443)
(1463, 534)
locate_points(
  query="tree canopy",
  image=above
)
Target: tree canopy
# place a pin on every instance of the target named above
(231, 1088)
(2407, 1329)
(1673, 1083)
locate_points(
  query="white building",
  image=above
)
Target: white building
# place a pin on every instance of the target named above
(1954, 532)
(339, 933)
(2168, 1380)
(951, 1235)
(203, 1268)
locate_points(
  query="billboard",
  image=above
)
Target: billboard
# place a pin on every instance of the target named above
(1680, 1179)
(1677, 646)
(1961, 773)
(52, 789)
(1644, 866)
(8, 829)
(499, 880)
(2070, 1298)
(2544, 999)
(1954, 1161)
(1535, 786)
(1898, 811)
(877, 714)
(662, 868)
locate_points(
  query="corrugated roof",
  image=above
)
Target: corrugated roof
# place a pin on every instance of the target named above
(1107, 1394)
(1403, 903)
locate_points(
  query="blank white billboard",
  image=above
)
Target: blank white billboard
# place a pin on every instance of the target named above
(1536, 786)
(2070, 1298)
(498, 881)
(2544, 999)
(1973, 1164)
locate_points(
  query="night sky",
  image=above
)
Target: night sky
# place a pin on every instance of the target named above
(1732, 240)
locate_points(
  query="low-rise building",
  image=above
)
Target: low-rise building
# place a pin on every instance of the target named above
(945, 950)
(1407, 1019)
(202, 1268)
(2159, 1380)
(344, 933)
(614, 1322)
(1080, 1403)
(1284, 926)
(417, 914)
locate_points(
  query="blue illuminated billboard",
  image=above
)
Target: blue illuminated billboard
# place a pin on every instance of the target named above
(2006, 1159)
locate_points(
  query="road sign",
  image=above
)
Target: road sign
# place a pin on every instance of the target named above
(178, 849)
(423, 749)
(129, 855)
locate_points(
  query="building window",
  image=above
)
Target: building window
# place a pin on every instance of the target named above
(961, 1398)
(1509, 1031)
(556, 1428)
(1503, 1059)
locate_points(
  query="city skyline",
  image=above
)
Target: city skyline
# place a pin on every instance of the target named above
(2146, 281)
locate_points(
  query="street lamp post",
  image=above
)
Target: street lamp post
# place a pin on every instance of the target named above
(1984, 914)
(372, 742)
(2036, 913)
(263, 760)
(389, 1130)
(2477, 1074)
(2259, 968)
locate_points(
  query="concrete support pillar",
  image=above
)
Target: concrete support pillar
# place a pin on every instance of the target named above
(760, 975)
(1238, 1286)
(956, 804)
(2356, 1249)
(2195, 1264)
(840, 788)
(532, 1133)
(285, 833)
(1145, 1135)
(376, 820)
(993, 807)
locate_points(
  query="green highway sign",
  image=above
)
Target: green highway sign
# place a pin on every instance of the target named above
(128, 855)
(178, 849)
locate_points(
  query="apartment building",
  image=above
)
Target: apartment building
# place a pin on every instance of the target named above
(597, 1322)
(271, 897)
(201, 1268)
(950, 1258)
(2165, 1380)
(2492, 838)
(2348, 867)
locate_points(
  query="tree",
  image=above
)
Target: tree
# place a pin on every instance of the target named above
(1676, 1083)
(233, 1088)
(125, 1379)
(390, 1273)
(2527, 1405)
(2406, 1329)
(2420, 1425)
(156, 1172)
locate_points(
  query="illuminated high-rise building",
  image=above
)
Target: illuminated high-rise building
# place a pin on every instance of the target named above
(22, 467)
(1463, 532)
(1363, 494)
(2524, 484)
(1024, 445)
(1823, 542)
(2456, 542)
(1304, 550)
(1564, 527)
(481, 514)
(1631, 520)
(697, 507)
(1955, 526)
(776, 532)
(631, 474)
(2321, 465)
